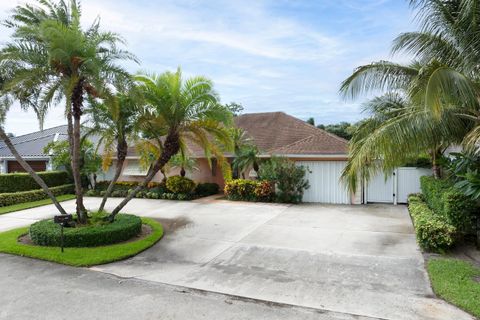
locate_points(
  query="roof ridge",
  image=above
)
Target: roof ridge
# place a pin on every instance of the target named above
(295, 143)
(28, 140)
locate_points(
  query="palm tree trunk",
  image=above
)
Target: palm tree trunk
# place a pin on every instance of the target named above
(28, 168)
(182, 172)
(122, 149)
(77, 102)
(436, 169)
(170, 148)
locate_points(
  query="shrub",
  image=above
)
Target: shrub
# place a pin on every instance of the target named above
(119, 193)
(445, 200)
(288, 178)
(264, 191)
(125, 227)
(241, 189)
(433, 233)
(207, 189)
(119, 185)
(179, 184)
(16, 182)
(7, 199)
(92, 193)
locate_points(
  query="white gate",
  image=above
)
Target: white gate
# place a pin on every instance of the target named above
(325, 184)
(399, 184)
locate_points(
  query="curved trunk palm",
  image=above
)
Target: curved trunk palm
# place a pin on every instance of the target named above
(171, 147)
(28, 168)
(122, 149)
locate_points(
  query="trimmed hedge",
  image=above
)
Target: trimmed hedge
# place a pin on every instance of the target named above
(445, 200)
(249, 190)
(125, 227)
(432, 231)
(7, 199)
(16, 182)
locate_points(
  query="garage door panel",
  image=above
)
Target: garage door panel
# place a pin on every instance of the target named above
(325, 185)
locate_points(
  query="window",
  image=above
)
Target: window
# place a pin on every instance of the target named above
(134, 168)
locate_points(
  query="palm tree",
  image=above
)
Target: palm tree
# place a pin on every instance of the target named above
(178, 111)
(246, 158)
(115, 122)
(240, 140)
(5, 103)
(184, 162)
(62, 60)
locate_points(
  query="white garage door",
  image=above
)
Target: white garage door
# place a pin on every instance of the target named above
(325, 184)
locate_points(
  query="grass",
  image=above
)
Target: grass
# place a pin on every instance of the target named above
(34, 204)
(454, 281)
(80, 257)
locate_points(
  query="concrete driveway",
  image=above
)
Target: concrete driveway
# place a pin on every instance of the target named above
(351, 260)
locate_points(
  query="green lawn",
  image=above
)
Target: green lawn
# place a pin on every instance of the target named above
(80, 257)
(33, 204)
(454, 281)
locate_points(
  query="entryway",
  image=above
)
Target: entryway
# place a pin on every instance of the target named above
(394, 187)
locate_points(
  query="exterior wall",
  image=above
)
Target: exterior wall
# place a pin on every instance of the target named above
(203, 174)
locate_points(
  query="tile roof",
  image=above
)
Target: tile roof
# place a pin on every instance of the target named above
(280, 133)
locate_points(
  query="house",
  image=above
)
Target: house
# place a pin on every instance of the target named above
(279, 134)
(30, 146)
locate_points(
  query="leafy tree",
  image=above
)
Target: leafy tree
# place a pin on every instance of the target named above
(288, 178)
(311, 121)
(235, 108)
(343, 130)
(62, 60)
(178, 110)
(90, 161)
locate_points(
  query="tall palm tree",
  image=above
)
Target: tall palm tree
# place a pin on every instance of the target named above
(184, 162)
(63, 60)
(6, 99)
(115, 122)
(178, 111)
(240, 140)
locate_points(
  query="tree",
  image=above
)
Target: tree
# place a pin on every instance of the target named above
(246, 158)
(240, 140)
(7, 70)
(62, 60)
(311, 121)
(115, 121)
(178, 111)
(343, 129)
(184, 162)
(90, 161)
(235, 108)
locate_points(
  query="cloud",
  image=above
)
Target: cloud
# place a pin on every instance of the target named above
(269, 55)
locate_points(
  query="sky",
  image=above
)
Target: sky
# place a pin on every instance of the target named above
(268, 55)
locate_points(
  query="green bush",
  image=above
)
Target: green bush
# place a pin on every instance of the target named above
(288, 178)
(433, 232)
(125, 227)
(7, 199)
(445, 200)
(16, 182)
(206, 189)
(119, 185)
(179, 184)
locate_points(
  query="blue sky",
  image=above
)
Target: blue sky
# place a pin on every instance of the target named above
(269, 55)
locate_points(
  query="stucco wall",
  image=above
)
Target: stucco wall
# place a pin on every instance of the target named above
(203, 174)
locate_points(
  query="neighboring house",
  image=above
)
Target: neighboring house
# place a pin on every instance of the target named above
(30, 146)
(279, 134)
